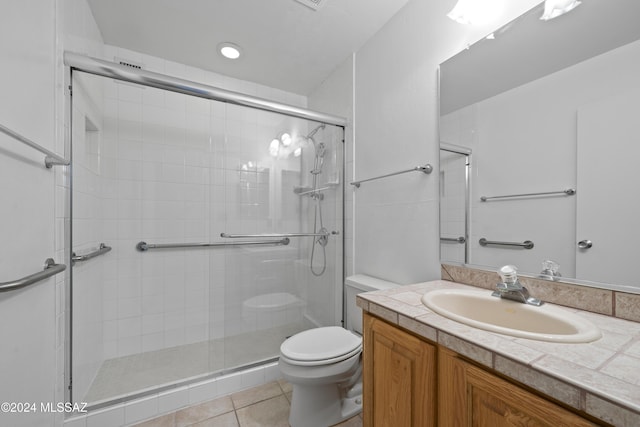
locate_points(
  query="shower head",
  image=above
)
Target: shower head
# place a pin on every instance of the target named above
(314, 131)
(319, 147)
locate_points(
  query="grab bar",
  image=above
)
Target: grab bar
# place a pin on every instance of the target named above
(426, 169)
(246, 236)
(527, 244)
(453, 239)
(144, 246)
(103, 249)
(51, 158)
(568, 192)
(50, 269)
(311, 191)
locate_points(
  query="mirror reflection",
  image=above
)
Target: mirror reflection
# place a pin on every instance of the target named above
(546, 112)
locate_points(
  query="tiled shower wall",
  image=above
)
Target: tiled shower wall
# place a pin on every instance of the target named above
(155, 180)
(171, 170)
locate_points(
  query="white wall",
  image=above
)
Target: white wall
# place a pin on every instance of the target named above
(396, 119)
(30, 318)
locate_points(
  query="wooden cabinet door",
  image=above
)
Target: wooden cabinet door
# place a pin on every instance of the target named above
(399, 377)
(475, 397)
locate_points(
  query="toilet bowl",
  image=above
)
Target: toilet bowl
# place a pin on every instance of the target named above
(324, 364)
(271, 310)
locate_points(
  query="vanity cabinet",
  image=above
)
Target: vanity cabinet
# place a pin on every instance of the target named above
(412, 382)
(471, 396)
(402, 392)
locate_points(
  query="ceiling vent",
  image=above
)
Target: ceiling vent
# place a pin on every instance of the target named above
(313, 4)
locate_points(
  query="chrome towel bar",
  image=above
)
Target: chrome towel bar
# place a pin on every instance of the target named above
(50, 269)
(103, 249)
(51, 158)
(568, 192)
(144, 246)
(527, 244)
(453, 239)
(426, 169)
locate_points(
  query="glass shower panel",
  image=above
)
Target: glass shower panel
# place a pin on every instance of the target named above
(152, 167)
(140, 174)
(281, 176)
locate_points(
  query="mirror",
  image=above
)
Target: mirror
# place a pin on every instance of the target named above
(546, 111)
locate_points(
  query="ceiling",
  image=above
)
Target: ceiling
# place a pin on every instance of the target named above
(286, 45)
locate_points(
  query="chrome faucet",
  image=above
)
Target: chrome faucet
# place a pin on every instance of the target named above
(511, 289)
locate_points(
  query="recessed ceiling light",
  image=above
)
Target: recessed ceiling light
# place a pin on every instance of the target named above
(229, 50)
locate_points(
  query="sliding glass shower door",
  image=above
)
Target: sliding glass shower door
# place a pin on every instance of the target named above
(155, 176)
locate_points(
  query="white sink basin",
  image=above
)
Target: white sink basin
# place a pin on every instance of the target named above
(481, 310)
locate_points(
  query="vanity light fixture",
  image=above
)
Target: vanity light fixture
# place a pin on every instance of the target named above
(555, 8)
(476, 11)
(229, 50)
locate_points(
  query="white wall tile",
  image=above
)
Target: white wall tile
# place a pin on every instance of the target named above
(141, 409)
(173, 400)
(109, 417)
(199, 392)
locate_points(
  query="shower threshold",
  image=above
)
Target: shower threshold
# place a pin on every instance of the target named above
(120, 378)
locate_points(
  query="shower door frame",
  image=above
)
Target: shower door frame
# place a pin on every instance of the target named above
(82, 63)
(467, 153)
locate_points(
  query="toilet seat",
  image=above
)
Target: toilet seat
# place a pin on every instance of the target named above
(320, 346)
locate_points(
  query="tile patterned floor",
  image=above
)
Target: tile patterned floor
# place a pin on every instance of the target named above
(264, 406)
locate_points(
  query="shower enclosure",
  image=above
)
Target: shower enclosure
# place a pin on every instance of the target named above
(225, 228)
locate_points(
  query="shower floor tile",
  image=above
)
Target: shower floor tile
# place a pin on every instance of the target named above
(122, 376)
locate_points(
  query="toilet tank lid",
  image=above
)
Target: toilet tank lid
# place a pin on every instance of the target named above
(369, 283)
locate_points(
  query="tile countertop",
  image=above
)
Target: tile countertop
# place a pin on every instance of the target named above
(601, 378)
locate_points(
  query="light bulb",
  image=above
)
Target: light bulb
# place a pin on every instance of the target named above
(229, 50)
(274, 147)
(555, 8)
(286, 139)
(476, 11)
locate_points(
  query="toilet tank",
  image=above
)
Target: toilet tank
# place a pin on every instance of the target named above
(355, 285)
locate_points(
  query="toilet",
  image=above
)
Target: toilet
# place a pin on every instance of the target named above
(272, 310)
(324, 364)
